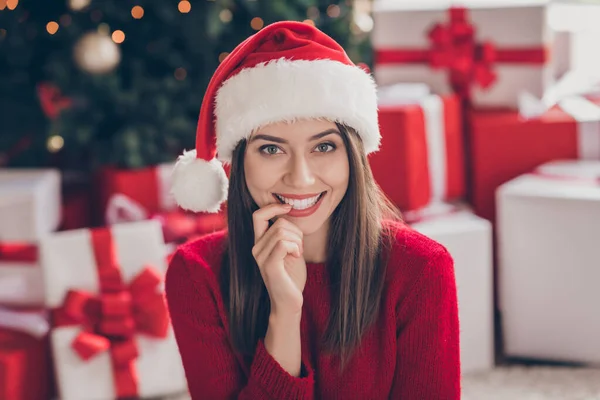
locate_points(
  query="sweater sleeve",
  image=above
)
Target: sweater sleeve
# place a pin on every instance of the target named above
(213, 370)
(428, 359)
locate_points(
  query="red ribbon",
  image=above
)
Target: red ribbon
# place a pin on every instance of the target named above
(111, 319)
(18, 252)
(454, 48)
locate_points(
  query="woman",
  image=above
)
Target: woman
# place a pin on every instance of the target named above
(313, 292)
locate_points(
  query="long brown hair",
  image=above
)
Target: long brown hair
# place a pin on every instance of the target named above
(356, 263)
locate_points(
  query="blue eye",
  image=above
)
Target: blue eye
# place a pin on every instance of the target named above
(269, 149)
(325, 147)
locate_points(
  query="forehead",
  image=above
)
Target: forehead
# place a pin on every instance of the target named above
(295, 129)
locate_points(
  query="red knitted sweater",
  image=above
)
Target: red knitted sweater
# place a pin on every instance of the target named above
(412, 352)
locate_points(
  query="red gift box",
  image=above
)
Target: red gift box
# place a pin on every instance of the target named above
(505, 145)
(149, 187)
(421, 157)
(25, 366)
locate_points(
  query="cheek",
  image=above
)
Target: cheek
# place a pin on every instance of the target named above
(336, 173)
(259, 176)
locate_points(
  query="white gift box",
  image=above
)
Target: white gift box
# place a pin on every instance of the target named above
(21, 284)
(576, 35)
(506, 25)
(30, 204)
(468, 238)
(69, 263)
(548, 231)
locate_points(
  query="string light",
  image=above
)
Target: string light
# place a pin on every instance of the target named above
(55, 143)
(180, 74)
(312, 12)
(118, 36)
(12, 4)
(309, 22)
(52, 27)
(184, 6)
(334, 11)
(225, 15)
(257, 23)
(137, 12)
(2, 4)
(222, 56)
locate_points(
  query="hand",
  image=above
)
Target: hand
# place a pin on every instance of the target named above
(278, 253)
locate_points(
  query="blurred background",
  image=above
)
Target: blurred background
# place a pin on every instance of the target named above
(490, 121)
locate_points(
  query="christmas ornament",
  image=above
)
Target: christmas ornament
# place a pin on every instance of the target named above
(51, 100)
(96, 53)
(78, 5)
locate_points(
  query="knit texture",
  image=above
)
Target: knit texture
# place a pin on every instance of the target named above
(412, 352)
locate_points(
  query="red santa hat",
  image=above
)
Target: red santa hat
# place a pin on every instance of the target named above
(286, 71)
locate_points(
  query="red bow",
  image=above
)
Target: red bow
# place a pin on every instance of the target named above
(111, 319)
(454, 48)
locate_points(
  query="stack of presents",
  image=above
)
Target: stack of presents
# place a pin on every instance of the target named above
(82, 308)
(485, 149)
(491, 147)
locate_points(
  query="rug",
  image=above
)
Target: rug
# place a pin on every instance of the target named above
(525, 383)
(533, 383)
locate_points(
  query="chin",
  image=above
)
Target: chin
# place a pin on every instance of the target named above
(308, 225)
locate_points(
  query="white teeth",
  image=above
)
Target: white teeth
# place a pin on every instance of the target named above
(300, 204)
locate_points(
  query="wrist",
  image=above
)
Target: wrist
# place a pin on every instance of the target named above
(282, 341)
(284, 320)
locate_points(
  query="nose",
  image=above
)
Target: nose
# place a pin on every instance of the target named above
(300, 173)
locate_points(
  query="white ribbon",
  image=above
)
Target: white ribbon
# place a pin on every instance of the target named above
(573, 84)
(121, 208)
(433, 111)
(34, 323)
(435, 131)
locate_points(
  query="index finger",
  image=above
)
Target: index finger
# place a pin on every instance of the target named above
(261, 217)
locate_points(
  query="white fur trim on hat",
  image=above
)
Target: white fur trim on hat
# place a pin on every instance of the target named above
(197, 184)
(288, 90)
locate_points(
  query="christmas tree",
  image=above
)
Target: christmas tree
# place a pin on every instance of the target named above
(121, 82)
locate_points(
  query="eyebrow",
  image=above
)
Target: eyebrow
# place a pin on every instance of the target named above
(277, 139)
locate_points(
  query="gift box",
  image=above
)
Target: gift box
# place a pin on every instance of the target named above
(25, 367)
(468, 238)
(548, 268)
(21, 279)
(150, 187)
(178, 225)
(466, 49)
(504, 145)
(576, 33)
(30, 204)
(421, 156)
(111, 336)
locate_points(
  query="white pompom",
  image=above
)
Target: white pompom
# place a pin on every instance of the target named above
(199, 185)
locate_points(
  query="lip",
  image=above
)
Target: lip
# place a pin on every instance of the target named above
(307, 211)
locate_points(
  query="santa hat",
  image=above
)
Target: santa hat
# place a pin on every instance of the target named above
(286, 71)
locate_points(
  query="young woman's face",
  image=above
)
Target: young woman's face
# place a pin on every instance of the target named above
(304, 163)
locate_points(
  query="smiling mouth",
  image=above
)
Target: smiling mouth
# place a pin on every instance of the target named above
(299, 204)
